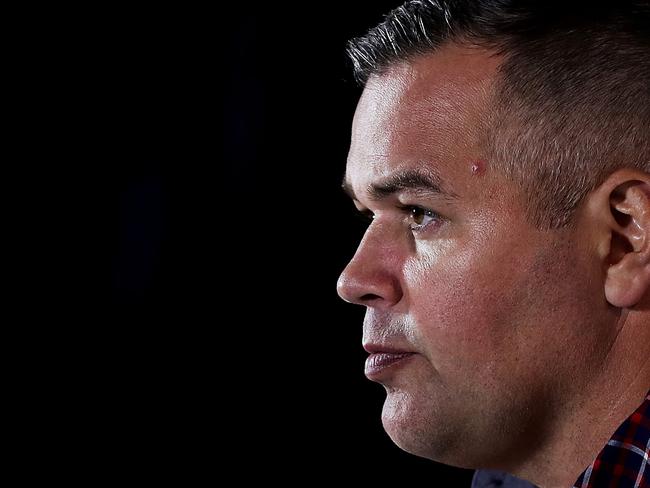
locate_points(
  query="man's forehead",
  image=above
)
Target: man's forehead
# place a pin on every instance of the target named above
(450, 72)
(421, 114)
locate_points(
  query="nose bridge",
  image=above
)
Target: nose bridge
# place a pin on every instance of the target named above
(374, 245)
(371, 277)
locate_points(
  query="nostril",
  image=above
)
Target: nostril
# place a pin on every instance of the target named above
(368, 297)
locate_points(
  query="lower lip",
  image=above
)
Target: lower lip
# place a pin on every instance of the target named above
(379, 363)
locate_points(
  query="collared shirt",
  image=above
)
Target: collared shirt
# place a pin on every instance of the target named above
(624, 462)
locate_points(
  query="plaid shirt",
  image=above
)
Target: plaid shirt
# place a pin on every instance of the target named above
(625, 460)
(623, 463)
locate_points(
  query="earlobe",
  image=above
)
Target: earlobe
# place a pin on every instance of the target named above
(627, 279)
(625, 289)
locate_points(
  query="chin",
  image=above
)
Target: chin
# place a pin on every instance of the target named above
(422, 430)
(408, 426)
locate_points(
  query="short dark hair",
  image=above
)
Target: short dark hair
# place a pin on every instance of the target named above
(572, 98)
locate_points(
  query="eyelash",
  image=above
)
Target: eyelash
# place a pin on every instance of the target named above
(410, 210)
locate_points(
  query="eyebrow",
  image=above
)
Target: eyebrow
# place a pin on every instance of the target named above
(420, 182)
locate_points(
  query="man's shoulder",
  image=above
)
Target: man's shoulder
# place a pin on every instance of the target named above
(484, 478)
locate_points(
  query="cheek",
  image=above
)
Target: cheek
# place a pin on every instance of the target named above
(496, 312)
(450, 311)
(464, 307)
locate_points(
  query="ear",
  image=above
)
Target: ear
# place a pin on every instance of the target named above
(625, 199)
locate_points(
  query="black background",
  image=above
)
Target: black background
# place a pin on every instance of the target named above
(225, 134)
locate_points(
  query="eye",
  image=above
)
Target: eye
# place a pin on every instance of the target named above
(421, 218)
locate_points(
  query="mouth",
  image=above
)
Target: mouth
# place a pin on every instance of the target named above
(381, 363)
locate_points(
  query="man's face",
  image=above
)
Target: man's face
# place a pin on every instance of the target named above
(500, 320)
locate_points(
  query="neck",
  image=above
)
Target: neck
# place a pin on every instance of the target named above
(586, 422)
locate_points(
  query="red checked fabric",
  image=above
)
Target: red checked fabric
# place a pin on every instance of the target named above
(625, 461)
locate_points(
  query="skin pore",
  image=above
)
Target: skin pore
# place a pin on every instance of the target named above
(530, 346)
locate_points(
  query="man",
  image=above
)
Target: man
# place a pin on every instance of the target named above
(502, 151)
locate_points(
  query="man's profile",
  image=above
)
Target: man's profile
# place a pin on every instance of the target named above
(501, 150)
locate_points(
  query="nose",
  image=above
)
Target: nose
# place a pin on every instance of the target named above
(371, 278)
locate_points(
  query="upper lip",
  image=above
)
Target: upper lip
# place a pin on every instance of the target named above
(381, 348)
